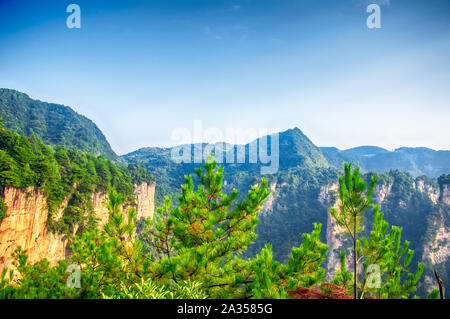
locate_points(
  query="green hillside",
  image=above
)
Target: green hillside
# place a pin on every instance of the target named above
(54, 124)
(295, 151)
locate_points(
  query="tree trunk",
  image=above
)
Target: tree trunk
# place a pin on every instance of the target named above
(355, 275)
(441, 285)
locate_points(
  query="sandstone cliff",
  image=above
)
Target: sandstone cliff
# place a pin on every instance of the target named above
(25, 224)
(445, 194)
(436, 248)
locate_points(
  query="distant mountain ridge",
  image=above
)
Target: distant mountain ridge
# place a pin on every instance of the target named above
(297, 150)
(416, 161)
(54, 124)
(60, 125)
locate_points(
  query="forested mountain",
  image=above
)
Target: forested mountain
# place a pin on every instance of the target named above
(54, 124)
(301, 192)
(295, 150)
(416, 161)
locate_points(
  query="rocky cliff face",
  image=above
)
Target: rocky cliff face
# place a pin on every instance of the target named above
(25, 224)
(336, 239)
(445, 194)
(327, 196)
(268, 204)
(145, 200)
(430, 190)
(381, 192)
(436, 248)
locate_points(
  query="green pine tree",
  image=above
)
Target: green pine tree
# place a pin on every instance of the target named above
(392, 259)
(355, 198)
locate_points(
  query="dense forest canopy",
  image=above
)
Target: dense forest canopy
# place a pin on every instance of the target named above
(63, 174)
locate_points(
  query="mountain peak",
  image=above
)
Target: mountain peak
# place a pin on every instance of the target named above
(296, 149)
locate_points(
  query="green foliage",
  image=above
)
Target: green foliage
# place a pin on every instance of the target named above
(54, 124)
(296, 152)
(196, 249)
(139, 174)
(199, 239)
(293, 207)
(299, 196)
(343, 277)
(107, 260)
(354, 201)
(148, 289)
(391, 257)
(62, 174)
(444, 180)
(385, 262)
(271, 279)
(39, 281)
(3, 209)
(434, 294)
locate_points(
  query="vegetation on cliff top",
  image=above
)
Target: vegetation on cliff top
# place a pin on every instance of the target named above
(444, 180)
(63, 174)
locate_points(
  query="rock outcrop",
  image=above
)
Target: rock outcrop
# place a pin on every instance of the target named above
(430, 190)
(438, 250)
(445, 194)
(336, 239)
(25, 224)
(268, 204)
(145, 200)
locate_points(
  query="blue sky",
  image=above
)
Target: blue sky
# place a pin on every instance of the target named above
(140, 69)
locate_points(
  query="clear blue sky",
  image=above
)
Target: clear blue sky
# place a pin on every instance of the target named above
(140, 69)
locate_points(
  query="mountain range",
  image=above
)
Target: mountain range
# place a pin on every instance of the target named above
(302, 190)
(57, 124)
(416, 161)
